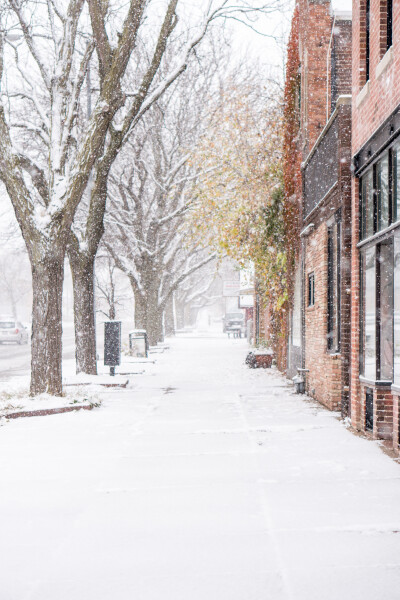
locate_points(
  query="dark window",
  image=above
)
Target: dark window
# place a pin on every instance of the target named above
(376, 195)
(389, 23)
(395, 182)
(311, 289)
(367, 36)
(382, 191)
(396, 308)
(322, 170)
(369, 409)
(334, 246)
(367, 204)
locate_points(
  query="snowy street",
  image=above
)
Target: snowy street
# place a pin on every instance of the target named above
(204, 480)
(15, 360)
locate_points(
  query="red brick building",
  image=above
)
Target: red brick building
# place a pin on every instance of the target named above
(321, 301)
(375, 325)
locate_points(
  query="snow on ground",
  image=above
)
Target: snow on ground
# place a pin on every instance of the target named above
(14, 398)
(79, 389)
(205, 480)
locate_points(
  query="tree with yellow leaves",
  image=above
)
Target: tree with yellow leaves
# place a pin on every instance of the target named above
(238, 206)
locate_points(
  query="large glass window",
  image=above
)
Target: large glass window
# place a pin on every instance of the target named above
(382, 189)
(367, 204)
(368, 368)
(385, 309)
(395, 160)
(377, 312)
(377, 209)
(396, 308)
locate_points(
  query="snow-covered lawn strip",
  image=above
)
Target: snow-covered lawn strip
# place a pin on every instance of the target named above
(14, 398)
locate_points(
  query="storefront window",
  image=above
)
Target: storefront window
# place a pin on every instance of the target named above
(377, 312)
(396, 181)
(385, 306)
(396, 308)
(369, 313)
(367, 204)
(382, 186)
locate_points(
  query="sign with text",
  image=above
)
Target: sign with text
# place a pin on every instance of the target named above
(231, 287)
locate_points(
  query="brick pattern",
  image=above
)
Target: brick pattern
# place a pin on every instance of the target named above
(315, 26)
(344, 117)
(382, 27)
(355, 389)
(369, 111)
(383, 411)
(384, 91)
(342, 64)
(328, 376)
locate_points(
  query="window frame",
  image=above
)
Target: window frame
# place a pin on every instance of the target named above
(377, 311)
(311, 289)
(367, 39)
(389, 24)
(376, 197)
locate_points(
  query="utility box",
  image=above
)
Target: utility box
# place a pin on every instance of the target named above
(138, 343)
(112, 344)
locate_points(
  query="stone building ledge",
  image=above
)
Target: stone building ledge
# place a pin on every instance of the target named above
(363, 94)
(384, 62)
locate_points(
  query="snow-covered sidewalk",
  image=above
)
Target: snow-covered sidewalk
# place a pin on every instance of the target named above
(203, 480)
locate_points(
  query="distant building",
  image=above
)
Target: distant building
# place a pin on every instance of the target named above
(318, 89)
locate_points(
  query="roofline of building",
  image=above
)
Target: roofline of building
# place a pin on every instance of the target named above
(342, 99)
(342, 15)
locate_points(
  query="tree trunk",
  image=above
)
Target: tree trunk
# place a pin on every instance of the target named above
(82, 268)
(170, 317)
(180, 315)
(46, 351)
(149, 317)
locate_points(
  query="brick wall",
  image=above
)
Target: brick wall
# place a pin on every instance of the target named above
(383, 94)
(355, 399)
(373, 102)
(341, 59)
(383, 411)
(315, 26)
(324, 380)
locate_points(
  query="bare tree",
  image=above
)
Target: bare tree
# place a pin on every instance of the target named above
(45, 180)
(48, 152)
(150, 192)
(109, 294)
(156, 67)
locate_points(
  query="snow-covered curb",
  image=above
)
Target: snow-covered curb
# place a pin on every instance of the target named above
(15, 400)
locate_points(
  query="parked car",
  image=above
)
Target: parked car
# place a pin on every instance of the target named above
(13, 331)
(234, 323)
